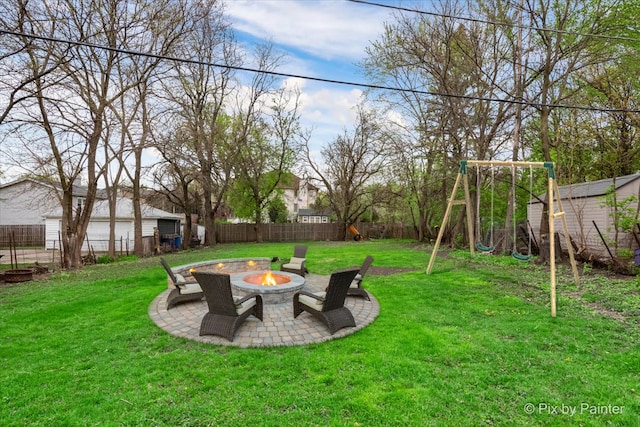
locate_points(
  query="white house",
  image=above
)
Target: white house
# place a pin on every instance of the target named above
(31, 202)
(298, 194)
(584, 205)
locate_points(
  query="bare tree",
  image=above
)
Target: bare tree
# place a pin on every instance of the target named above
(175, 177)
(200, 92)
(267, 153)
(565, 41)
(157, 27)
(68, 116)
(17, 76)
(349, 164)
(463, 65)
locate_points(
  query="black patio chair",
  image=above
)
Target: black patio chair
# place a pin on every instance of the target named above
(182, 291)
(298, 263)
(356, 289)
(226, 311)
(328, 306)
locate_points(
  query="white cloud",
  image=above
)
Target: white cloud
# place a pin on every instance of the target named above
(328, 29)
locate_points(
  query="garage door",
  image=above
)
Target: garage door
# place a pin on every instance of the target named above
(98, 234)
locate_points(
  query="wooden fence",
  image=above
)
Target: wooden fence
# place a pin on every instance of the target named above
(22, 235)
(34, 235)
(297, 232)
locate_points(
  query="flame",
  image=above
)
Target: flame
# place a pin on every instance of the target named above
(191, 270)
(251, 263)
(269, 280)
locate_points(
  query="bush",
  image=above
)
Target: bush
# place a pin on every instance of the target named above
(104, 259)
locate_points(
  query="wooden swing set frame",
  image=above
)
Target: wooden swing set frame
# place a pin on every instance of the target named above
(554, 198)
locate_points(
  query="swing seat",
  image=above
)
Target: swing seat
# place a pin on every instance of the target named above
(483, 248)
(520, 257)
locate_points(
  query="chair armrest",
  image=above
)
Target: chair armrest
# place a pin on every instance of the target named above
(248, 297)
(309, 294)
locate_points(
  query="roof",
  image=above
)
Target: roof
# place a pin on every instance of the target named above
(593, 188)
(77, 191)
(124, 210)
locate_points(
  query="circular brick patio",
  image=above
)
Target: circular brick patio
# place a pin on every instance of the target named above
(278, 327)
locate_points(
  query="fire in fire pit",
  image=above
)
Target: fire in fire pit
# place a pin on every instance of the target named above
(267, 279)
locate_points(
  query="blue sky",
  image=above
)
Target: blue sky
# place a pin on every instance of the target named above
(321, 38)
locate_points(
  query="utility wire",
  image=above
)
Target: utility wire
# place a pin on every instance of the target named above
(495, 23)
(317, 79)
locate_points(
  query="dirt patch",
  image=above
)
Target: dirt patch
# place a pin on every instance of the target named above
(598, 309)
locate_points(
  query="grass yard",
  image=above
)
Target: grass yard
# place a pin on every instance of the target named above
(471, 344)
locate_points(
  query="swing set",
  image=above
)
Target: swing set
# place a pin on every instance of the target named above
(491, 248)
(554, 198)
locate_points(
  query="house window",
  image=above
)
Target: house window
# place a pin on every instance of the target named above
(325, 219)
(305, 219)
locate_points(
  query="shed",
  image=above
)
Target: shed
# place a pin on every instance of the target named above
(584, 205)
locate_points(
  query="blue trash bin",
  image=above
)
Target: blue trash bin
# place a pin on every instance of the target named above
(177, 242)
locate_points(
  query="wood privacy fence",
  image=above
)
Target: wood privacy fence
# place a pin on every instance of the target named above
(22, 235)
(296, 232)
(34, 235)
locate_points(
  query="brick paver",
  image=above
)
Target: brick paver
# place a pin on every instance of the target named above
(278, 327)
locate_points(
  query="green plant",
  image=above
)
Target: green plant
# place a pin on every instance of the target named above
(105, 259)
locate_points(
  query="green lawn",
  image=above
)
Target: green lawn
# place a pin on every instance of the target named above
(471, 344)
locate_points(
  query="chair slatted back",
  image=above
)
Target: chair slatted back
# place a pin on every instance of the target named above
(170, 272)
(300, 251)
(217, 292)
(337, 290)
(365, 265)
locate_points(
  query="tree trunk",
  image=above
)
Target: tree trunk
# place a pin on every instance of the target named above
(256, 226)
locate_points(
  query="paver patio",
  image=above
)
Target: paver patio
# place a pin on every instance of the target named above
(278, 327)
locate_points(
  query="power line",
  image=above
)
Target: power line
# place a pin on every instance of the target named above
(317, 79)
(495, 23)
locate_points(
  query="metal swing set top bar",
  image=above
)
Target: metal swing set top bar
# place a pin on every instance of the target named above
(553, 196)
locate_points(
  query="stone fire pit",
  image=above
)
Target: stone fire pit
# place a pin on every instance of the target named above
(244, 284)
(244, 273)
